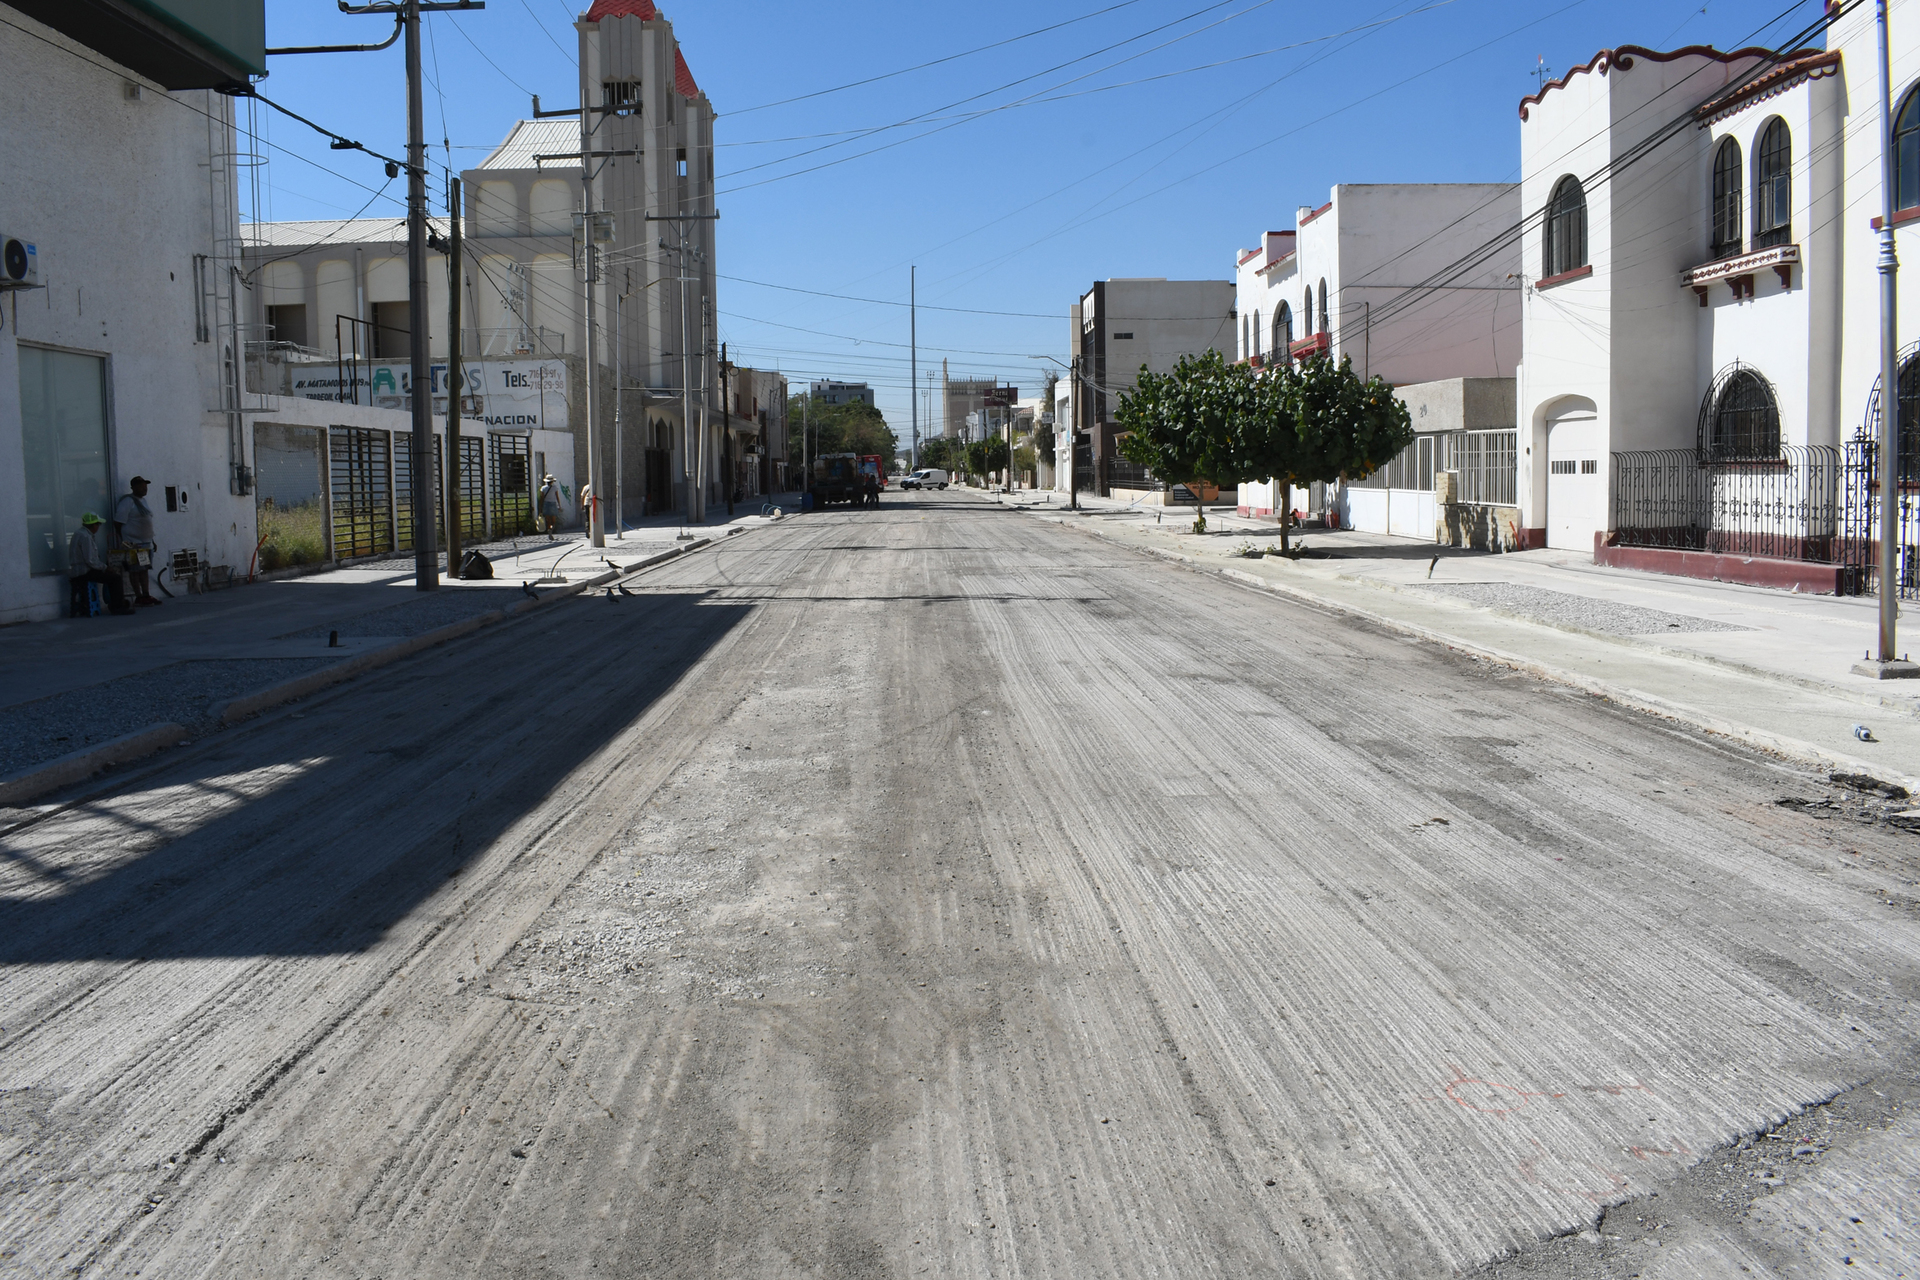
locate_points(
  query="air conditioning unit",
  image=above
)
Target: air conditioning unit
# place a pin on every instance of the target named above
(19, 264)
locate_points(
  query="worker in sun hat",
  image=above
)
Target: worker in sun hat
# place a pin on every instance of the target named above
(87, 563)
(133, 525)
(549, 504)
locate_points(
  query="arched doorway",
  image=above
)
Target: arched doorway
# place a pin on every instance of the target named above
(1576, 478)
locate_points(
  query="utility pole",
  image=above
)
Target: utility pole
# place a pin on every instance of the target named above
(726, 425)
(590, 273)
(426, 551)
(1889, 665)
(913, 341)
(619, 398)
(456, 379)
(696, 511)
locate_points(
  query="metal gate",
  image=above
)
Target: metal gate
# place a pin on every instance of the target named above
(362, 519)
(403, 493)
(1860, 536)
(511, 488)
(473, 506)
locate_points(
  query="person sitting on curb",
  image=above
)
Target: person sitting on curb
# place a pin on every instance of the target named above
(133, 523)
(86, 563)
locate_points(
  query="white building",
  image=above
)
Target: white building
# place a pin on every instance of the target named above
(1372, 276)
(1120, 326)
(121, 354)
(1702, 317)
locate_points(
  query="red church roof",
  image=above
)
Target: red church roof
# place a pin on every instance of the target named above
(646, 12)
(641, 9)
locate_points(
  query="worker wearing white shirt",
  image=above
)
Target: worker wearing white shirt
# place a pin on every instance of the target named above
(133, 521)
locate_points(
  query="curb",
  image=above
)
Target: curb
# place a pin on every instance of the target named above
(76, 766)
(1792, 748)
(235, 710)
(1814, 684)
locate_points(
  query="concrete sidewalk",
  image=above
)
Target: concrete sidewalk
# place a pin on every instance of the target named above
(1769, 667)
(75, 684)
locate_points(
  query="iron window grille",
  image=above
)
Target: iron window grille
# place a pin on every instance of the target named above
(1728, 224)
(1323, 307)
(1282, 330)
(1566, 228)
(1739, 418)
(1486, 462)
(1908, 446)
(1773, 187)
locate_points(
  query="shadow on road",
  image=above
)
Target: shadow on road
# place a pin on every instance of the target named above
(316, 835)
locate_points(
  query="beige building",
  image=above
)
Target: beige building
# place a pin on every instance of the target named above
(335, 293)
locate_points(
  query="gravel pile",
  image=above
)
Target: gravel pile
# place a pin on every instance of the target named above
(1566, 610)
(427, 611)
(33, 733)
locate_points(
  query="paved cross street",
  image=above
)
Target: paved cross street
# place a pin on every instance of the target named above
(941, 890)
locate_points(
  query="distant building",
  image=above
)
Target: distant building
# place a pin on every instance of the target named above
(842, 393)
(960, 397)
(1120, 325)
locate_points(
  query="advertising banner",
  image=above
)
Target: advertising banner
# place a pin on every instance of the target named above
(505, 395)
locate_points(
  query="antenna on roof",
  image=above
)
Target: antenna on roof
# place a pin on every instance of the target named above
(1541, 74)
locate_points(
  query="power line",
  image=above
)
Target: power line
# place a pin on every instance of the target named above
(952, 57)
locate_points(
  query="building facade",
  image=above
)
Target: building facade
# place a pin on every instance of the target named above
(841, 392)
(1120, 326)
(340, 289)
(1372, 276)
(1702, 318)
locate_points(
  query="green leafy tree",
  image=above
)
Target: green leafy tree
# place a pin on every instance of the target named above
(1201, 422)
(1345, 429)
(987, 456)
(942, 452)
(843, 428)
(1025, 461)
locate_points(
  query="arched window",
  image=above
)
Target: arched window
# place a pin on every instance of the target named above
(1906, 153)
(1728, 179)
(1256, 331)
(1746, 421)
(1306, 314)
(1245, 350)
(1282, 330)
(1323, 307)
(1773, 187)
(1566, 229)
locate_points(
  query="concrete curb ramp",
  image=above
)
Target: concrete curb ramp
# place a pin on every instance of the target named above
(27, 784)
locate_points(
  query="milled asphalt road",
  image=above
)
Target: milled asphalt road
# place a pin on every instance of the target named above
(938, 891)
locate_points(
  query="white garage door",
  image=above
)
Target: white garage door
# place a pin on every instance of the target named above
(1576, 480)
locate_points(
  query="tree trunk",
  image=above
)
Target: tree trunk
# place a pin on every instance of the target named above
(1286, 513)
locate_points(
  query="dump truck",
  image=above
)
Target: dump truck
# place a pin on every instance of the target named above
(837, 477)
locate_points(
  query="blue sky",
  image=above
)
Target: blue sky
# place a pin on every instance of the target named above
(1149, 138)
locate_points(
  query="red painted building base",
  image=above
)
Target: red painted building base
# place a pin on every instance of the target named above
(1752, 571)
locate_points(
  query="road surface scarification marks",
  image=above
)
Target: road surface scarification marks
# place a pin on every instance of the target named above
(774, 922)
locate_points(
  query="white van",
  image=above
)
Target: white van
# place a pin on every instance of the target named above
(925, 478)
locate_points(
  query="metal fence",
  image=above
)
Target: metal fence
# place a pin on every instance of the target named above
(1785, 508)
(1125, 474)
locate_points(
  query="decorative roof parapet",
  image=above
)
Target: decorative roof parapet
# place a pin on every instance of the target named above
(1623, 57)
